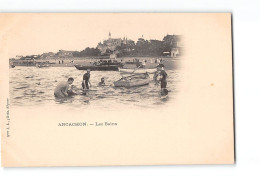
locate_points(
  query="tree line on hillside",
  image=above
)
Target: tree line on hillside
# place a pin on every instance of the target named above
(87, 52)
(141, 48)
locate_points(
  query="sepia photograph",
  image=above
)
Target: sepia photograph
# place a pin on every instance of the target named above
(113, 89)
(143, 71)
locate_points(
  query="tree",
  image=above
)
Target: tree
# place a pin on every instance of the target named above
(169, 42)
(87, 52)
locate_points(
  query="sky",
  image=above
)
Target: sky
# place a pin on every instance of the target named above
(37, 33)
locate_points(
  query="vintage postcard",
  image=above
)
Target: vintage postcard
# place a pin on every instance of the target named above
(101, 89)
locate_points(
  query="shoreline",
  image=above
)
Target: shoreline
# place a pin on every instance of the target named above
(71, 62)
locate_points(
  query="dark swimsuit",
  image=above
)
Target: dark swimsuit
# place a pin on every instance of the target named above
(163, 80)
(86, 77)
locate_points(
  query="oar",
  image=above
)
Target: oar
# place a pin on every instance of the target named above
(131, 74)
(136, 69)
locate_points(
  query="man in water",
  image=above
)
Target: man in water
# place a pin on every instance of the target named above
(163, 76)
(61, 91)
(102, 82)
(86, 80)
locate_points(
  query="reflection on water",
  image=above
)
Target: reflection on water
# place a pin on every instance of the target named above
(31, 86)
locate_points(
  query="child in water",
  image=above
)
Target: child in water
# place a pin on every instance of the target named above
(102, 82)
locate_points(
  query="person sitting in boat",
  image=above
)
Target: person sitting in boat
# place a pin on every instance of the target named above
(86, 80)
(61, 91)
(102, 82)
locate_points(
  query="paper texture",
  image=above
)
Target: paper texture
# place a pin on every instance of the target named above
(193, 124)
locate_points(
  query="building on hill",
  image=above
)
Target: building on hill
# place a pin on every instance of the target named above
(173, 45)
(112, 43)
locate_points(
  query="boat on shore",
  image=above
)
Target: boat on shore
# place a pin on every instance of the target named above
(133, 81)
(138, 70)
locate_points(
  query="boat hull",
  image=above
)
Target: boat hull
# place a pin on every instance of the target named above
(98, 68)
(138, 71)
(131, 83)
(43, 66)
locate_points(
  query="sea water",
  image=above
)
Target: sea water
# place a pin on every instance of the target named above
(32, 86)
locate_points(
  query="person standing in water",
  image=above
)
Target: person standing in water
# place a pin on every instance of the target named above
(86, 80)
(163, 76)
(61, 91)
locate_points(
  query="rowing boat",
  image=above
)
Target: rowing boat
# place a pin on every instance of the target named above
(132, 81)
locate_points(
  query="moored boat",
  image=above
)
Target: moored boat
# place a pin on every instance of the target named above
(132, 81)
(42, 64)
(134, 62)
(102, 65)
(98, 67)
(138, 71)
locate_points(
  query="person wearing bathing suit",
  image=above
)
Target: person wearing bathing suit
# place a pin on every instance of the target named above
(86, 80)
(163, 76)
(102, 82)
(61, 91)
